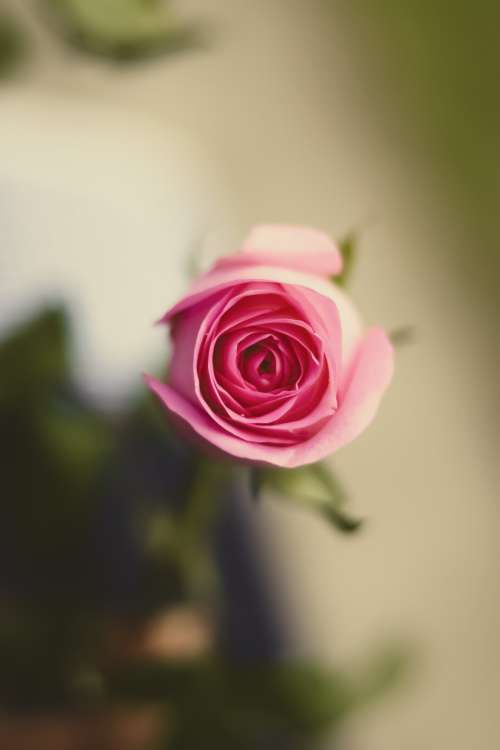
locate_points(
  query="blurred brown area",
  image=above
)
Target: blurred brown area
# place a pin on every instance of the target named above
(179, 634)
(119, 730)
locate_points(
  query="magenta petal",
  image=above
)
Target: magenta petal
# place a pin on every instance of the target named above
(250, 398)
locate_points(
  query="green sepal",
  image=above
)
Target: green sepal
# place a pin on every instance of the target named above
(348, 250)
(314, 487)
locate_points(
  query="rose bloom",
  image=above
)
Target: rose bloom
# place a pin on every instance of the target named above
(270, 362)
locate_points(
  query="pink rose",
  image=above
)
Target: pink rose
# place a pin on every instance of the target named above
(269, 362)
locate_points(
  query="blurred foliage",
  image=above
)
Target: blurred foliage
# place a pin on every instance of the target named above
(241, 706)
(74, 482)
(43, 648)
(51, 447)
(314, 487)
(188, 537)
(122, 30)
(13, 44)
(80, 488)
(432, 68)
(116, 30)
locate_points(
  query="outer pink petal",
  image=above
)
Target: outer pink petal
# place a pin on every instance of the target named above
(205, 428)
(185, 334)
(182, 366)
(219, 279)
(366, 380)
(300, 248)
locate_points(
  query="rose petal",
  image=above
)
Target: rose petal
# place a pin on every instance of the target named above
(300, 248)
(185, 334)
(366, 380)
(218, 280)
(201, 424)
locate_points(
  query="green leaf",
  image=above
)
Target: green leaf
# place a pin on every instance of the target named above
(314, 487)
(348, 250)
(122, 30)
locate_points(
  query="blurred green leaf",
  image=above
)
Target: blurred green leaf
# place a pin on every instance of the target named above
(34, 358)
(314, 487)
(384, 670)
(77, 440)
(13, 45)
(238, 706)
(348, 249)
(122, 30)
(53, 445)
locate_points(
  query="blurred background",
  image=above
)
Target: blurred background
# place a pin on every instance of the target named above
(140, 139)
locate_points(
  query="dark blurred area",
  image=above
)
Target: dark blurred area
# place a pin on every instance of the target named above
(97, 608)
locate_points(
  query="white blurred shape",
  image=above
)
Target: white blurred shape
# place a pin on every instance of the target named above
(100, 208)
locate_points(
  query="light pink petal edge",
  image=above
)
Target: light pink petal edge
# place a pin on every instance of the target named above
(298, 247)
(366, 380)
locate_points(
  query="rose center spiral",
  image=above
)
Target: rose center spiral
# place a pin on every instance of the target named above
(264, 366)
